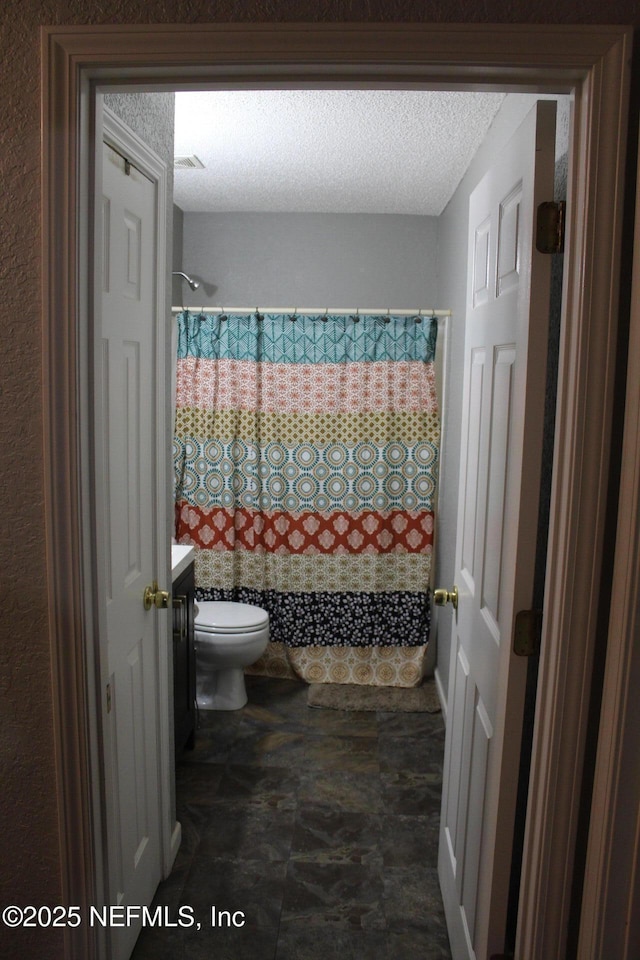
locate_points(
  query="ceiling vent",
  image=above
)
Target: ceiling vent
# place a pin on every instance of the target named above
(188, 163)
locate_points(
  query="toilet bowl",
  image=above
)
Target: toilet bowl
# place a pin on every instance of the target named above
(228, 637)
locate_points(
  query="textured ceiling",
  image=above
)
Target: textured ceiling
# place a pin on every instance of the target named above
(327, 151)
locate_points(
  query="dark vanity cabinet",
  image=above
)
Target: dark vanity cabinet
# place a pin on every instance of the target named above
(184, 661)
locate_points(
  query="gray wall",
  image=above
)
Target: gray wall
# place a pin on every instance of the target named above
(178, 237)
(310, 260)
(151, 116)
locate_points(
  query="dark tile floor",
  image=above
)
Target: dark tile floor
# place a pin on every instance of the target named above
(321, 827)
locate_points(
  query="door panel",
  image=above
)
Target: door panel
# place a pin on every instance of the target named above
(474, 419)
(507, 318)
(125, 430)
(503, 363)
(508, 274)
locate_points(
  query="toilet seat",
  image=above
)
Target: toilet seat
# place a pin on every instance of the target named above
(228, 617)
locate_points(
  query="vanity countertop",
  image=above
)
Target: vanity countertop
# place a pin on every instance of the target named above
(181, 556)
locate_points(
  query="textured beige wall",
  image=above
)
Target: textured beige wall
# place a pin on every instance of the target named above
(28, 816)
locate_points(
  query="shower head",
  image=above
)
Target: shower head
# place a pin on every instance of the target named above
(194, 284)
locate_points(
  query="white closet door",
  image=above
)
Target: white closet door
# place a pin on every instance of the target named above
(504, 390)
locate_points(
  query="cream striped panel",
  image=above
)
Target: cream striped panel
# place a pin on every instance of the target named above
(373, 666)
(225, 569)
(409, 427)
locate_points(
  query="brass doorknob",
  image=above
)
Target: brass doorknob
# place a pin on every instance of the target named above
(152, 597)
(442, 597)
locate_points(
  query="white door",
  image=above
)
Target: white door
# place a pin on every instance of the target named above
(125, 438)
(504, 389)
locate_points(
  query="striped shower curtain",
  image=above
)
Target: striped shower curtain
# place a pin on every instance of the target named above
(305, 456)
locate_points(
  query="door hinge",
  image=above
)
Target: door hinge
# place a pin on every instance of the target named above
(108, 698)
(550, 227)
(526, 636)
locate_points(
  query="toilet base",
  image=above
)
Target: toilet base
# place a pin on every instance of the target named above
(223, 690)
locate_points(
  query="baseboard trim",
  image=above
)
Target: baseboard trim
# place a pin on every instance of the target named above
(174, 846)
(441, 694)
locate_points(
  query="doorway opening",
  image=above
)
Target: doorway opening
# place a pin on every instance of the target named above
(567, 537)
(220, 244)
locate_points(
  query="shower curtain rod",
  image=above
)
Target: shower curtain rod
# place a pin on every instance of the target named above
(332, 311)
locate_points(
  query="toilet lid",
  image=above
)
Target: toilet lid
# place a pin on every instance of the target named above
(224, 616)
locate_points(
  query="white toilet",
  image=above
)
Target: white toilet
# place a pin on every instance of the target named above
(228, 637)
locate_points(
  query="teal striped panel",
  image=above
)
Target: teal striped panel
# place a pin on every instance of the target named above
(277, 338)
(367, 476)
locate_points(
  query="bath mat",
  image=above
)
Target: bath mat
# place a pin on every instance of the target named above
(355, 696)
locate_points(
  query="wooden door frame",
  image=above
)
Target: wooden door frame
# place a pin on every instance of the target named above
(611, 907)
(594, 62)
